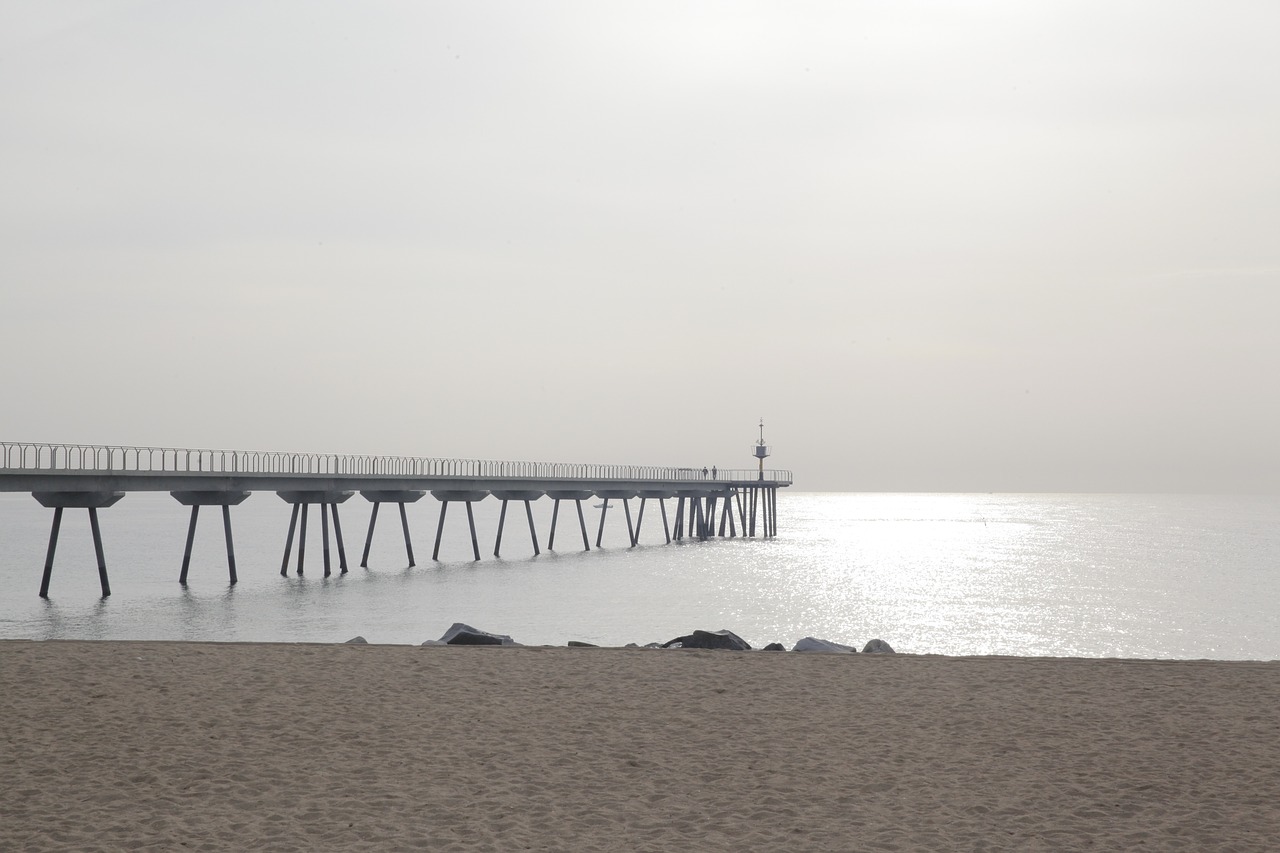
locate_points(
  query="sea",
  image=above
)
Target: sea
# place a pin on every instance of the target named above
(1067, 575)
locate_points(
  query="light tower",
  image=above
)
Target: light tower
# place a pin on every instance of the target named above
(761, 449)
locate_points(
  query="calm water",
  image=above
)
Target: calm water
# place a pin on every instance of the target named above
(1094, 575)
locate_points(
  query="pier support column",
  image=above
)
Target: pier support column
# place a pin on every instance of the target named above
(466, 496)
(555, 516)
(604, 508)
(527, 496)
(92, 501)
(502, 520)
(623, 495)
(582, 523)
(302, 500)
(533, 533)
(377, 498)
(693, 506)
(639, 521)
(659, 495)
(195, 500)
(577, 496)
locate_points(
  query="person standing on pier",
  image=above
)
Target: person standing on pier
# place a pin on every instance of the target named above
(713, 472)
(704, 472)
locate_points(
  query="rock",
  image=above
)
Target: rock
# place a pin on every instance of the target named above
(774, 647)
(877, 647)
(361, 641)
(631, 646)
(722, 639)
(460, 634)
(813, 644)
(578, 644)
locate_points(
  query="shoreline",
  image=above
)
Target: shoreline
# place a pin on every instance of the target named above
(160, 744)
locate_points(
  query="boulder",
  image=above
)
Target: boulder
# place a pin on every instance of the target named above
(460, 634)
(877, 647)
(774, 647)
(813, 644)
(722, 639)
(360, 641)
(578, 644)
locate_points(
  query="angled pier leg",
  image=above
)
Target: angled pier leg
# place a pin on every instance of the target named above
(368, 539)
(191, 538)
(404, 525)
(378, 497)
(226, 531)
(502, 520)
(337, 537)
(693, 517)
(444, 507)
(97, 550)
(53, 545)
(724, 516)
(773, 511)
(467, 496)
(324, 536)
(733, 532)
(288, 542)
(582, 523)
(666, 529)
(302, 537)
(92, 501)
(604, 507)
(702, 520)
(712, 500)
(555, 514)
(219, 498)
(471, 521)
(639, 523)
(408, 543)
(626, 508)
(679, 529)
(533, 533)
(742, 512)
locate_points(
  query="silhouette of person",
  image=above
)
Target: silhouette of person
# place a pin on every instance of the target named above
(704, 472)
(713, 472)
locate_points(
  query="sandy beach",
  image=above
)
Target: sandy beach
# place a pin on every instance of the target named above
(194, 746)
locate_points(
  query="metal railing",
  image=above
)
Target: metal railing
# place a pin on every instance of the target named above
(101, 459)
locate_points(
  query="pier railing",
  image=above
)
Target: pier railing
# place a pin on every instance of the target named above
(104, 459)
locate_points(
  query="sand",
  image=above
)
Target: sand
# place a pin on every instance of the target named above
(195, 746)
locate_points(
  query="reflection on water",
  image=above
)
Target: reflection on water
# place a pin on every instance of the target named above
(1137, 576)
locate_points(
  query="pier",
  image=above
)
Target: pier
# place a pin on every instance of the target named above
(708, 503)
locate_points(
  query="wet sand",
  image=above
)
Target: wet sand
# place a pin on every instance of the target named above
(195, 746)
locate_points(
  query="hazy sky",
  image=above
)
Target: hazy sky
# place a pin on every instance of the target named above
(937, 246)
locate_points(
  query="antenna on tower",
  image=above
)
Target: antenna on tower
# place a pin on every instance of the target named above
(761, 450)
